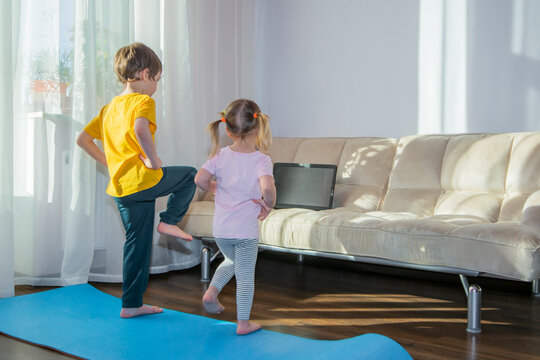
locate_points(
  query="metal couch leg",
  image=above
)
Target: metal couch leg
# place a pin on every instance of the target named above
(474, 305)
(474, 309)
(536, 287)
(205, 264)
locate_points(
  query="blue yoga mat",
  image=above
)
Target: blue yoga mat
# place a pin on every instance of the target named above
(83, 321)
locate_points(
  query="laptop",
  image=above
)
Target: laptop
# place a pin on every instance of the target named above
(308, 186)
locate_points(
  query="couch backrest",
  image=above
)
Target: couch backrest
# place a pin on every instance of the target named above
(363, 165)
(415, 179)
(490, 176)
(495, 177)
(473, 175)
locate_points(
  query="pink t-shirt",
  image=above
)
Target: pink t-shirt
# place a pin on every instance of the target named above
(237, 175)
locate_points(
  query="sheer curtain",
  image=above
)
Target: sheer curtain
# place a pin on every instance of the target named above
(58, 225)
(6, 155)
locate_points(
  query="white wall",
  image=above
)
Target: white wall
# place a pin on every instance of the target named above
(504, 66)
(337, 68)
(352, 67)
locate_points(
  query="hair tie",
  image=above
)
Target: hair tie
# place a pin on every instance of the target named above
(254, 115)
(223, 119)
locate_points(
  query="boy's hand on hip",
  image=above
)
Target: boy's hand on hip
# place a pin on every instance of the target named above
(146, 161)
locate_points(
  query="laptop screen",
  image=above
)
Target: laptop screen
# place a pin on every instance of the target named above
(309, 186)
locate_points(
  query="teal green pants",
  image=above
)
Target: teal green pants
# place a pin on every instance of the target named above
(137, 213)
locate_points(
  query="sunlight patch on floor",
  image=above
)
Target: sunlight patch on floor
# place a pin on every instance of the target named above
(379, 298)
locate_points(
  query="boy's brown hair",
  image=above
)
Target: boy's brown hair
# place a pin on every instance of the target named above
(131, 59)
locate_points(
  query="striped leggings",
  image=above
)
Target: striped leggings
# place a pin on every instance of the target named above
(240, 258)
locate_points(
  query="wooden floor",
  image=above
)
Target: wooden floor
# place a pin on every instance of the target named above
(331, 299)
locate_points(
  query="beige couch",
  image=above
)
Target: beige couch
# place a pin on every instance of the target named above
(466, 204)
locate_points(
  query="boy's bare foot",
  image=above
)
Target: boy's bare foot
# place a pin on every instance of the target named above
(143, 310)
(245, 327)
(211, 302)
(173, 230)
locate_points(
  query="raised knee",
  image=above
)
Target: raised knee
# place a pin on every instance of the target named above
(192, 173)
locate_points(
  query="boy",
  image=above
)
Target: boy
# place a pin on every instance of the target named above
(126, 126)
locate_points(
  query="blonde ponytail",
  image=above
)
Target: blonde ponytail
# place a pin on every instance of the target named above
(213, 129)
(264, 135)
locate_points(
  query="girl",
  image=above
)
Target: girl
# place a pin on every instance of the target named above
(245, 193)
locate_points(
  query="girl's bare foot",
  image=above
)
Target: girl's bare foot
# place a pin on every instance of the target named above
(245, 327)
(173, 230)
(143, 310)
(211, 302)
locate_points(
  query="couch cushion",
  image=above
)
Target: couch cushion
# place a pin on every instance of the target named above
(473, 175)
(531, 211)
(459, 202)
(319, 230)
(415, 179)
(418, 201)
(524, 165)
(363, 172)
(476, 162)
(284, 149)
(522, 178)
(515, 248)
(198, 219)
(512, 207)
(456, 241)
(319, 151)
(436, 225)
(286, 227)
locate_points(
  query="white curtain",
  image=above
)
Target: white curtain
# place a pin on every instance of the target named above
(6, 156)
(58, 225)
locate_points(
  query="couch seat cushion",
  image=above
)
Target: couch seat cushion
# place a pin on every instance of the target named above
(198, 219)
(456, 241)
(431, 225)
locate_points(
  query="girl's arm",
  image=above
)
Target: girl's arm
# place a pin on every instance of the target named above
(268, 190)
(86, 142)
(144, 136)
(203, 180)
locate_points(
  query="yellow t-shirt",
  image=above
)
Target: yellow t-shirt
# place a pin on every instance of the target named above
(114, 126)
